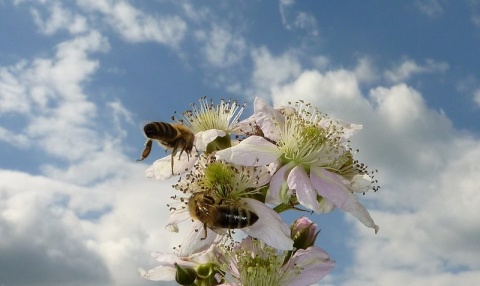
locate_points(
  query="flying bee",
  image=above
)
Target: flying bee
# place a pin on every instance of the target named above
(174, 136)
(216, 213)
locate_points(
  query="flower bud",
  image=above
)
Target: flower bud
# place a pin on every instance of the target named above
(220, 143)
(207, 274)
(304, 233)
(185, 275)
(205, 270)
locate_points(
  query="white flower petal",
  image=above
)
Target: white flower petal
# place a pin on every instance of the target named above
(172, 227)
(274, 166)
(196, 242)
(330, 186)
(159, 273)
(314, 263)
(203, 138)
(244, 126)
(177, 216)
(253, 151)
(269, 227)
(306, 193)
(165, 258)
(268, 119)
(262, 175)
(161, 169)
(276, 184)
(348, 129)
(326, 206)
(361, 183)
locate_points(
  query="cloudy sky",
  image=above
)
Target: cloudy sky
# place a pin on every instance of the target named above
(78, 80)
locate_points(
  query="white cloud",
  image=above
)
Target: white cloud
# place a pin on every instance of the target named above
(431, 8)
(13, 138)
(476, 97)
(119, 115)
(283, 6)
(59, 18)
(306, 21)
(49, 94)
(297, 20)
(223, 48)
(320, 62)
(437, 243)
(476, 20)
(270, 71)
(60, 233)
(12, 93)
(408, 68)
(333, 87)
(137, 26)
(365, 70)
(429, 198)
(41, 241)
(195, 13)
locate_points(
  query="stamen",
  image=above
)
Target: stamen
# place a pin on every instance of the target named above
(209, 116)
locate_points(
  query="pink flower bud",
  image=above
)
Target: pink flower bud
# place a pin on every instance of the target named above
(304, 233)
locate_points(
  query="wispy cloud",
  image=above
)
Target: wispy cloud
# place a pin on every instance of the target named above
(408, 68)
(476, 97)
(431, 8)
(135, 25)
(222, 47)
(14, 138)
(365, 70)
(269, 70)
(59, 18)
(294, 20)
(51, 97)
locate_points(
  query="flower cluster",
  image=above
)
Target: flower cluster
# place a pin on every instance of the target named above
(243, 175)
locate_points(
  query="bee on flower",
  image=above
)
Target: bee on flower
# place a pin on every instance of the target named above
(212, 126)
(220, 197)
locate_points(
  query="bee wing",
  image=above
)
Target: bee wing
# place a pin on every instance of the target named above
(205, 208)
(219, 231)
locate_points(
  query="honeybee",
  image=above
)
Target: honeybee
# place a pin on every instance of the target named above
(216, 213)
(174, 136)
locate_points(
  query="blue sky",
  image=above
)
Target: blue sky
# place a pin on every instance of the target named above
(78, 79)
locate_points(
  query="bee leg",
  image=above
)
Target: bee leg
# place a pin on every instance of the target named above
(146, 151)
(229, 233)
(174, 152)
(205, 231)
(182, 143)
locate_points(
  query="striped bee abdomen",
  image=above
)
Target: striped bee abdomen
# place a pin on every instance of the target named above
(161, 131)
(234, 217)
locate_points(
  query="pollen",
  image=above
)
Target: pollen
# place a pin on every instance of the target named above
(259, 268)
(307, 143)
(218, 176)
